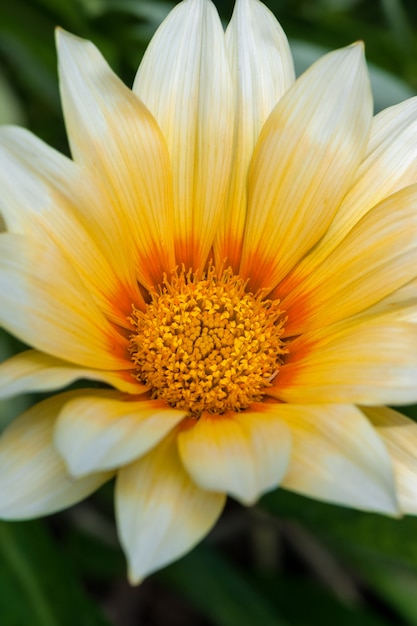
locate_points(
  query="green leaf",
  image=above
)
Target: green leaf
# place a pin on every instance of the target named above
(318, 607)
(382, 550)
(37, 585)
(153, 12)
(219, 590)
(396, 583)
(347, 528)
(11, 111)
(92, 557)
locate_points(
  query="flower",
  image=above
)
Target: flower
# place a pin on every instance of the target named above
(234, 254)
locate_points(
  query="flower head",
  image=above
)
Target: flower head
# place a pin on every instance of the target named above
(234, 254)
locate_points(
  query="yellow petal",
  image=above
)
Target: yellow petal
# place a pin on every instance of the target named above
(103, 430)
(184, 80)
(337, 457)
(400, 305)
(377, 257)
(118, 141)
(33, 478)
(262, 71)
(45, 304)
(46, 196)
(161, 514)
(390, 159)
(368, 363)
(244, 454)
(399, 434)
(304, 163)
(389, 164)
(33, 371)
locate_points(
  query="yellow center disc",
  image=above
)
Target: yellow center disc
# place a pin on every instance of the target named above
(205, 344)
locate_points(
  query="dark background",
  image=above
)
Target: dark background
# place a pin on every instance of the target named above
(289, 560)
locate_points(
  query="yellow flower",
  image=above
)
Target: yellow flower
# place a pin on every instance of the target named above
(235, 255)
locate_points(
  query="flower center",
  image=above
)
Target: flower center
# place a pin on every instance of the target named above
(205, 344)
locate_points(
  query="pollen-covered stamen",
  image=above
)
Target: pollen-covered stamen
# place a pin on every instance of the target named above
(205, 344)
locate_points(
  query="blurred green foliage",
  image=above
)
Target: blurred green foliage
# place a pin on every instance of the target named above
(289, 561)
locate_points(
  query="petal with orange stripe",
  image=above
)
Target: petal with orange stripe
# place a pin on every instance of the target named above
(262, 71)
(184, 79)
(304, 163)
(115, 138)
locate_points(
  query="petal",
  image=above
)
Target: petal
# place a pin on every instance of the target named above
(377, 257)
(103, 431)
(161, 514)
(262, 71)
(33, 371)
(370, 363)
(33, 478)
(390, 163)
(45, 305)
(338, 457)
(115, 137)
(400, 305)
(184, 79)
(244, 454)
(399, 433)
(46, 195)
(303, 164)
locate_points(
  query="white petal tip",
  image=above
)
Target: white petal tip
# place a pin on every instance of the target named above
(65, 41)
(358, 45)
(61, 35)
(134, 579)
(245, 501)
